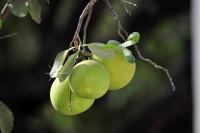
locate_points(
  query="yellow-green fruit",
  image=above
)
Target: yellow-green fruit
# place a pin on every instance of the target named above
(120, 70)
(60, 99)
(89, 79)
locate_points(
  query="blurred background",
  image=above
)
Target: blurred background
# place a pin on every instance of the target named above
(146, 105)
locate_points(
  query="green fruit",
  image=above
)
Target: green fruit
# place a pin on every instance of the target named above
(60, 99)
(89, 79)
(120, 70)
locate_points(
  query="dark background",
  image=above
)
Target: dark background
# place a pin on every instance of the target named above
(146, 105)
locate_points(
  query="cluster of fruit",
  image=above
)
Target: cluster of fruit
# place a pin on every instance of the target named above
(111, 66)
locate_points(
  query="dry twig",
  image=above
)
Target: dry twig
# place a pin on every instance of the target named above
(4, 12)
(86, 25)
(8, 36)
(122, 29)
(85, 12)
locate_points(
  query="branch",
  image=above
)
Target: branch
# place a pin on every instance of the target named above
(156, 66)
(86, 25)
(124, 3)
(8, 36)
(4, 12)
(3, 15)
(130, 3)
(87, 9)
(122, 29)
(76, 39)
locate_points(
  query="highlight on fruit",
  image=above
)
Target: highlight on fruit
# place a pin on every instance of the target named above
(88, 71)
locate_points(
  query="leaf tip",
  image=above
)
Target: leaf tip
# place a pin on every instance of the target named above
(134, 37)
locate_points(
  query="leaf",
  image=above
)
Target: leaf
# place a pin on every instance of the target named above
(127, 44)
(128, 55)
(67, 67)
(35, 10)
(59, 60)
(6, 119)
(48, 1)
(100, 49)
(113, 42)
(18, 8)
(134, 37)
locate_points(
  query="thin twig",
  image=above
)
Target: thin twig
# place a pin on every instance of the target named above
(4, 12)
(156, 66)
(86, 25)
(128, 2)
(121, 28)
(81, 18)
(79, 39)
(126, 9)
(124, 3)
(8, 36)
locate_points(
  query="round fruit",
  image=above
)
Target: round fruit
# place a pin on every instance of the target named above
(120, 70)
(89, 79)
(60, 99)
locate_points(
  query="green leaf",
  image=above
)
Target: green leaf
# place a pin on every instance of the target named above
(113, 42)
(127, 44)
(35, 10)
(18, 8)
(134, 37)
(6, 119)
(59, 60)
(128, 55)
(100, 49)
(67, 67)
(48, 1)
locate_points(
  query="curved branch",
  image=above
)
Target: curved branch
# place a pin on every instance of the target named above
(156, 66)
(122, 29)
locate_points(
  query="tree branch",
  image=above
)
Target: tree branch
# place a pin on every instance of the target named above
(8, 36)
(87, 9)
(122, 29)
(4, 12)
(86, 25)
(156, 66)
(130, 3)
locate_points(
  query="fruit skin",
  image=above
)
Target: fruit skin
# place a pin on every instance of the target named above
(120, 70)
(60, 99)
(89, 79)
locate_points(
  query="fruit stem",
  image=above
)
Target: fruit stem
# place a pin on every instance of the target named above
(87, 11)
